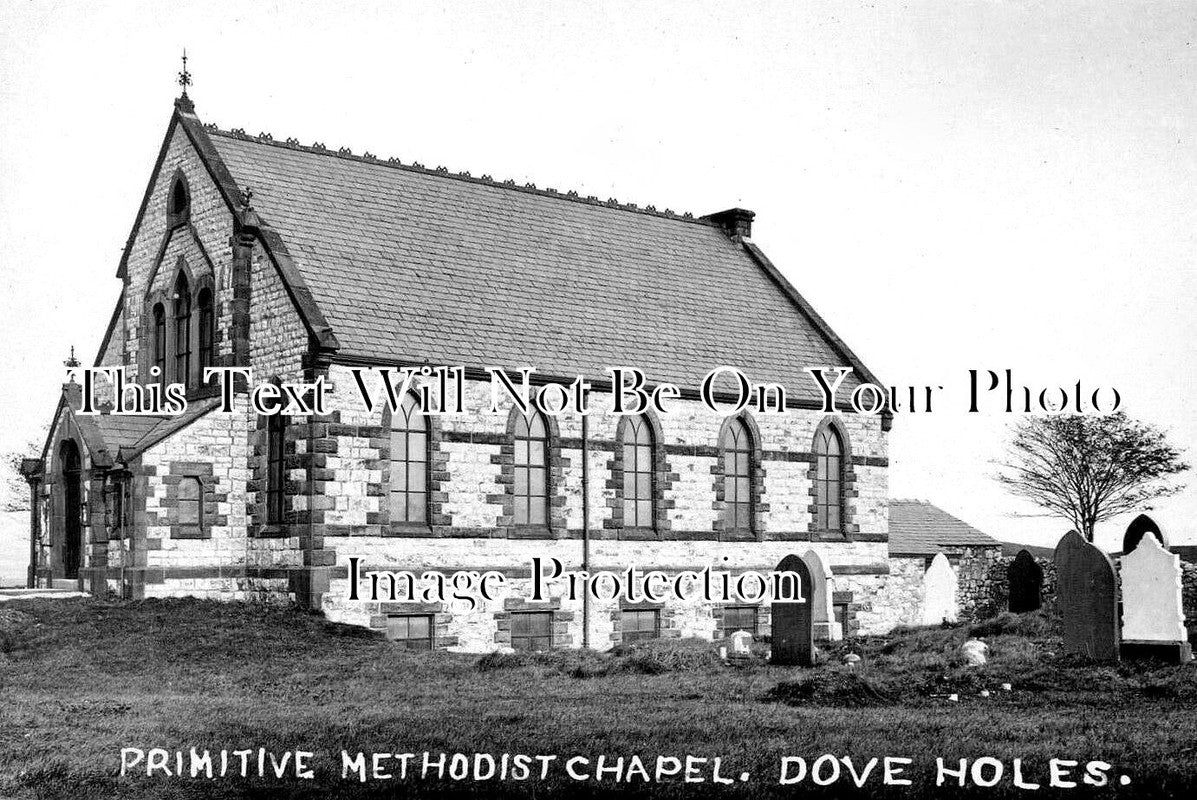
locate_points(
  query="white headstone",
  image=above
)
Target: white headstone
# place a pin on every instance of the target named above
(741, 643)
(939, 591)
(1152, 609)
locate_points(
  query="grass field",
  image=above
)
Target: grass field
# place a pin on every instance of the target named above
(80, 679)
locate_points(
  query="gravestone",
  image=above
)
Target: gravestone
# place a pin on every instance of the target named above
(741, 642)
(822, 587)
(1153, 619)
(1086, 592)
(793, 623)
(1141, 526)
(939, 591)
(975, 652)
(1024, 577)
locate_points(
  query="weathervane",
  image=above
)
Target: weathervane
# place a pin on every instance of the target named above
(71, 364)
(184, 79)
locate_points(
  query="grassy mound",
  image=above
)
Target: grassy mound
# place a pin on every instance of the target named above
(88, 677)
(643, 658)
(831, 687)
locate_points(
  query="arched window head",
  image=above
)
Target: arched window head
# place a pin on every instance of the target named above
(159, 343)
(69, 457)
(409, 463)
(206, 328)
(737, 476)
(531, 486)
(178, 202)
(182, 331)
(638, 459)
(829, 479)
(191, 502)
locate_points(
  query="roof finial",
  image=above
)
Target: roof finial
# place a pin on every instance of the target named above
(184, 78)
(71, 364)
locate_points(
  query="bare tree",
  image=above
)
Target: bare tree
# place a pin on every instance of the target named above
(1089, 468)
(14, 491)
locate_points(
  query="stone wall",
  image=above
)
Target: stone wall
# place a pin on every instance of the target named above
(974, 570)
(1188, 583)
(993, 593)
(470, 527)
(278, 339)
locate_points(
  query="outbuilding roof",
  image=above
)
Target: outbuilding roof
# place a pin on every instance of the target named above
(918, 528)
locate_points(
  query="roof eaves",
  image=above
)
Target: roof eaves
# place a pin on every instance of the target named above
(808, 311)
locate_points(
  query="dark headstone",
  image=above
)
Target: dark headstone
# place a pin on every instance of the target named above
(1025, 579)
(1087, 599)
(1141, 526)
(793, 623)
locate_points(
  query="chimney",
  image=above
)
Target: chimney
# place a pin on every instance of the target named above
(735, 222)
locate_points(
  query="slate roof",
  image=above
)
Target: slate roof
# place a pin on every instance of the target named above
(410, 264)
(1037, 550)
(917, 528)
(112, 436)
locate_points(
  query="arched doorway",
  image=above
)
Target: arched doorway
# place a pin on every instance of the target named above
(793, 623)
(72, 499)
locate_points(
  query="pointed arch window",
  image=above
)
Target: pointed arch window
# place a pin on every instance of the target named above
(639, 451)
(206, 329)
(182, 332)
(829, 479)
(276, 468)
(531, 476)
(737, 476)
(160, 341)
(178, 203)
(409, 463)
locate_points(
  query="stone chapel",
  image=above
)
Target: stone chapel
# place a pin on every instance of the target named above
(306, 261)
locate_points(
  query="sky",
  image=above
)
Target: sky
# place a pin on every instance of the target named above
(953, 185)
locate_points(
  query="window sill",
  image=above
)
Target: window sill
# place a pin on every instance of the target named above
(274, 530)
(531, 532)
(188, 532)
(408, 530)
(829, 536)
(638, 534)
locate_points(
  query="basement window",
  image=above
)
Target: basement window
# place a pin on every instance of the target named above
(532, 630)
(413, 631)
(739, 618)
(641, 624)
